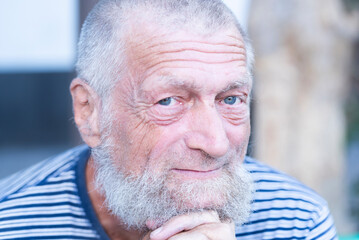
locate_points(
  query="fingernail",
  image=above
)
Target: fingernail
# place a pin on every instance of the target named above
(156, 232)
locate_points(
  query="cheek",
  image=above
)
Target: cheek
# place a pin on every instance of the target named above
(239, 135)
(167, 142)
(134, 140)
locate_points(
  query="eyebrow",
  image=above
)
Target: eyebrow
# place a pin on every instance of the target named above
(239, 83)
(175, 82)
(172, 81)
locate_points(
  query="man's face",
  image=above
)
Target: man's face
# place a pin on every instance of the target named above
(183, 110)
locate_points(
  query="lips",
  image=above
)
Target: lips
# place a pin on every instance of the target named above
(197, 174)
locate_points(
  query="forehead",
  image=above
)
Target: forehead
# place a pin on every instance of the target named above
(152, 51)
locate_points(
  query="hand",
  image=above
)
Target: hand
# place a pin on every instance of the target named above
(198, 226)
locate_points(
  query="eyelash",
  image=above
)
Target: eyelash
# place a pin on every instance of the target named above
(175, 107)
(172, 101)
(242, 99)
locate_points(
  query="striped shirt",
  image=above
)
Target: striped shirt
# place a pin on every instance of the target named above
(50, 201)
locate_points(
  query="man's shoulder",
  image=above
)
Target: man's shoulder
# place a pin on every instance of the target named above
(49, 170)
(43, 201)
(283, 207)
(271, 182)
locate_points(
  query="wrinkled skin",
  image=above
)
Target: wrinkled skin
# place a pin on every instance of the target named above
(198, 74)
(184, 94)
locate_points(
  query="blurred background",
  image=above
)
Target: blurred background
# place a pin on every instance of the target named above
(305, 109)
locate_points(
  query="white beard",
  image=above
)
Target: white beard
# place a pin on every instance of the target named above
(135, 200)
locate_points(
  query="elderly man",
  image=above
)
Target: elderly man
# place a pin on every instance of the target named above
(162, 102)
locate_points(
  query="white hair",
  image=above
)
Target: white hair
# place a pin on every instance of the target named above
(101, 58)
(136, 199)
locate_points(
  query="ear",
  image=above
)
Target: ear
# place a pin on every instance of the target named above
(86, 106)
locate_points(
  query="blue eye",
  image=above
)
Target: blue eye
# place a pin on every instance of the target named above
(230, 100)
(165, 101)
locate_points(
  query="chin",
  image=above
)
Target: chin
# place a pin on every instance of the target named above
(199, 195)
(202, 204)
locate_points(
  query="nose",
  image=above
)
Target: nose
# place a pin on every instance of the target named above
(207, 132)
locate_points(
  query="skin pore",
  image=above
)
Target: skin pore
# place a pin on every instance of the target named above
(197, 74)
(181, 111)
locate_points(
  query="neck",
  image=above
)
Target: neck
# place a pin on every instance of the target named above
(112, 225)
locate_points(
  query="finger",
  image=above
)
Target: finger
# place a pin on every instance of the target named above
(211, 231)
(184, 223)
(189, 235)
(217, 231)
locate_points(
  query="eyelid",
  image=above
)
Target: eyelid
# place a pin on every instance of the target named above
(241, 96)
(176, 100)
(167, 114)
(158, 102)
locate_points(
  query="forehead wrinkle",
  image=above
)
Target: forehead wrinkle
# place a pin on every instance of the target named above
(195, 46)
(139, 40)
(237, 56)
(175, 82)
(154, 60)
(160, 67)
(142, 41)
(238, 37)
(141, 36)
(159, 63)
(199, 44)
(153, 49)
(237, 43)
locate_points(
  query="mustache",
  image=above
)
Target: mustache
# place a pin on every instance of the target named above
(224, 159)
(198, 158)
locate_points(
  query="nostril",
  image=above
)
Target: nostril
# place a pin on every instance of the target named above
(211, 147)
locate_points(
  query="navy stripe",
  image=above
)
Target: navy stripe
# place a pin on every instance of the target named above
(281, 199)
(297, 200)
(53, 237)
(61, 192)
(57, 182)
(271, 230)
(277, 219)
(299, 211)
(293, 183)
(49, 215)
(34, 226)
(319, 224)
(65, 203)
(335, 236)
(323, 233)
(280, 189)
(264, 171)
(280, 209)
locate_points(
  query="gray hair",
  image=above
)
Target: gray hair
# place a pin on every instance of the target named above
(101, 58)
